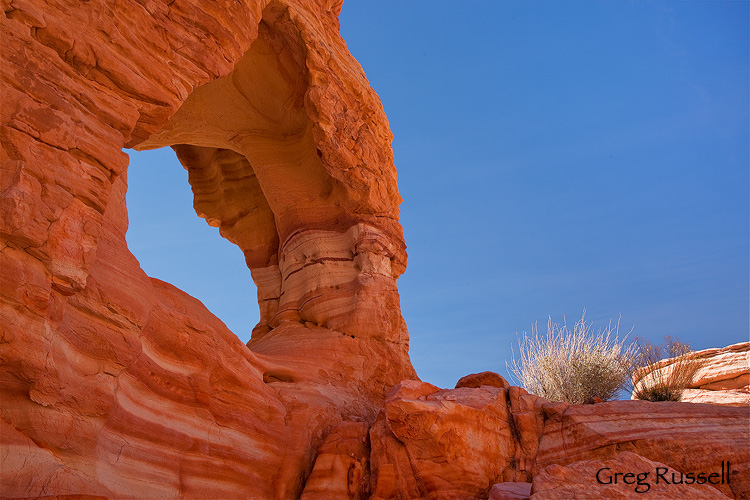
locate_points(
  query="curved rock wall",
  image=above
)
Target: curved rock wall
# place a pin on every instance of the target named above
(119, 385)
(263, 147)
(723, 376)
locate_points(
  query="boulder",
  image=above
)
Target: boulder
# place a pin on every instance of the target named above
(453, 443)
(490, 379)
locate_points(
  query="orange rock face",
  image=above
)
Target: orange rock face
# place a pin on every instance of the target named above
(623, 477)
(118, 385)
(490, 379)
(723, 378)
(341, 469)
(685, 436)
(432, 443)
(459, 443)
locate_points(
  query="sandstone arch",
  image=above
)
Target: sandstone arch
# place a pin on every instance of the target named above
(321, 248)
(116, 384)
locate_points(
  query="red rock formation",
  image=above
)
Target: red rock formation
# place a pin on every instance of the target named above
(637, 477)
(682, 435)
(451, 443)
(723, 377)
(432, 443)
(490, 379)
(118, 385)
(342, 469)
(510, 491)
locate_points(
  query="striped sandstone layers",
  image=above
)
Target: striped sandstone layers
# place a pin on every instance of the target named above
(434, 443)
(723, 377)
(116, 384)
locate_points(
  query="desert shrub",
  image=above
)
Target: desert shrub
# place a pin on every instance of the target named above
(574, 366)
(663, 371)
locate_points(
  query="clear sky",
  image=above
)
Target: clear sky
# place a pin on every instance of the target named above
(552, 156)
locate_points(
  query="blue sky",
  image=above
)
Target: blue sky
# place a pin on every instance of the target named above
(552, 156)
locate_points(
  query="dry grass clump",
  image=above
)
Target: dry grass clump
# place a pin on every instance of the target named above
(574, 366)
(660, 379)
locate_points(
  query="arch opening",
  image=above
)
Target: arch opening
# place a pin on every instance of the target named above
(173, 245)
(300, 139)
(312, 241)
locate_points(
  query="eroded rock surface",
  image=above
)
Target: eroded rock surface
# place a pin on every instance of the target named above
(510, 491)
(342, 469)
(490, 379)
(119, 385)
(685, 436)
(723, 377)
(623, 477)
(431, 443)
(458, 443)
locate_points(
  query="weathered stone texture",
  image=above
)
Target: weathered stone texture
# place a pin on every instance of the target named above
(444, 444)
(723, 377)
(638, 477)
(119, 385)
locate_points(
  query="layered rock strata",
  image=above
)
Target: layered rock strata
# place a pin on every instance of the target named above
(458, 443)
(625, 476)
(119, 385)
(723, 376)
